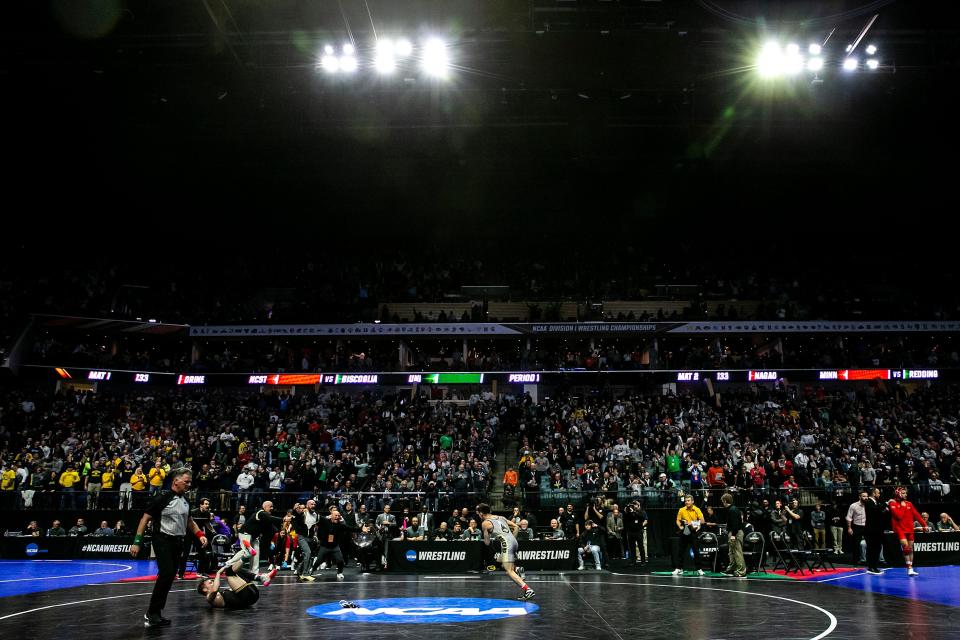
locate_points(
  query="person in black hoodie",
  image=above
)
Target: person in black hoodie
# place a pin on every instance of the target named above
(332, 532)
(257, 527)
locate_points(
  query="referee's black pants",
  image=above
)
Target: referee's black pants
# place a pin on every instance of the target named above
(167, 550)
(874, 547)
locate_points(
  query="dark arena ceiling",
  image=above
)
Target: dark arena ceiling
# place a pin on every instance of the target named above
(629, 114)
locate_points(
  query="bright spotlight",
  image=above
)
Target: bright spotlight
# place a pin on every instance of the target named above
(871, 49)
(793, 64)
(850, 64)
(328, 49)
(348, 49)
(814, 49)
(793, 49)
(385, 62)
(435, 61)
(770, 60)
(849, 48)
(330, 63)
(815, 64)
(403, 48)
(348, 64)
(873, 63)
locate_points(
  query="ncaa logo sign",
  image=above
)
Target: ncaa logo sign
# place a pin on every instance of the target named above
(32, 549)
(411, 556)
(423, 610)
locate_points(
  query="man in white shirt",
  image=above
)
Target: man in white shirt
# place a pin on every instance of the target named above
(244, 483)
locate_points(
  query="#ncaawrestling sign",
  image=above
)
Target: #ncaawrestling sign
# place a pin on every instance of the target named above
(442, 556)
(105, 548)
(936, 546)
(561, 554)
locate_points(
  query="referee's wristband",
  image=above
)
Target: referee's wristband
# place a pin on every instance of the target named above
(137, 538)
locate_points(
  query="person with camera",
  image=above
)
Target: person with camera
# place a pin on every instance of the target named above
(689, 522)
(635, 532)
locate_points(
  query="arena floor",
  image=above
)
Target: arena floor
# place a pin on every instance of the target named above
(106, 599)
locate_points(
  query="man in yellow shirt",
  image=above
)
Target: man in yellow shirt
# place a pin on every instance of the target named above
(107, 497)
(138, 482)
(689, 522)
(68, 479)
(8, 481)
(156, 475)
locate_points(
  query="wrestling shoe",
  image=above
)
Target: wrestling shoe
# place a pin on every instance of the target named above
(527, 595)
(323, 565)
(339, 576)
(307, 578)
(245, 544)
(266, 578)
(346, 604)
(911, 572)
(678, 572)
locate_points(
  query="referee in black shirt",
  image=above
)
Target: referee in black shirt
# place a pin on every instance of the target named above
(170, 513)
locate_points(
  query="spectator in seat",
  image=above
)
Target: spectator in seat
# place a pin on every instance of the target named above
(56, 530)
(80, 529)
(555, 533)
(33, 529)
(442, 533)
(104, 530)
(590, 541)
(946, 523)
(414, 531)
(472, 532)
(525, 532)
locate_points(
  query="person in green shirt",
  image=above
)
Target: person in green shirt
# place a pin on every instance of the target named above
(446, 442)
(673, 465)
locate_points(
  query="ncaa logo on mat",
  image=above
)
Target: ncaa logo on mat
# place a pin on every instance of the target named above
(423, 610)
(411, 556)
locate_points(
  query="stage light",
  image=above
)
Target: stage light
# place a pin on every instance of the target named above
(403, 48)
(348, 64)
(792, 62)
(328, 50)
(872, 64)
(330, 63)
(435, 61)
(815, 64)
(849, 48)
(871, 49)
(814, 49)
(850, 64)
(348, 49)
(770, 60)
(385, 61)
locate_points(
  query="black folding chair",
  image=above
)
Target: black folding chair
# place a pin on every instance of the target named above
(754, 552)
(709, 544)
(784, 558)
